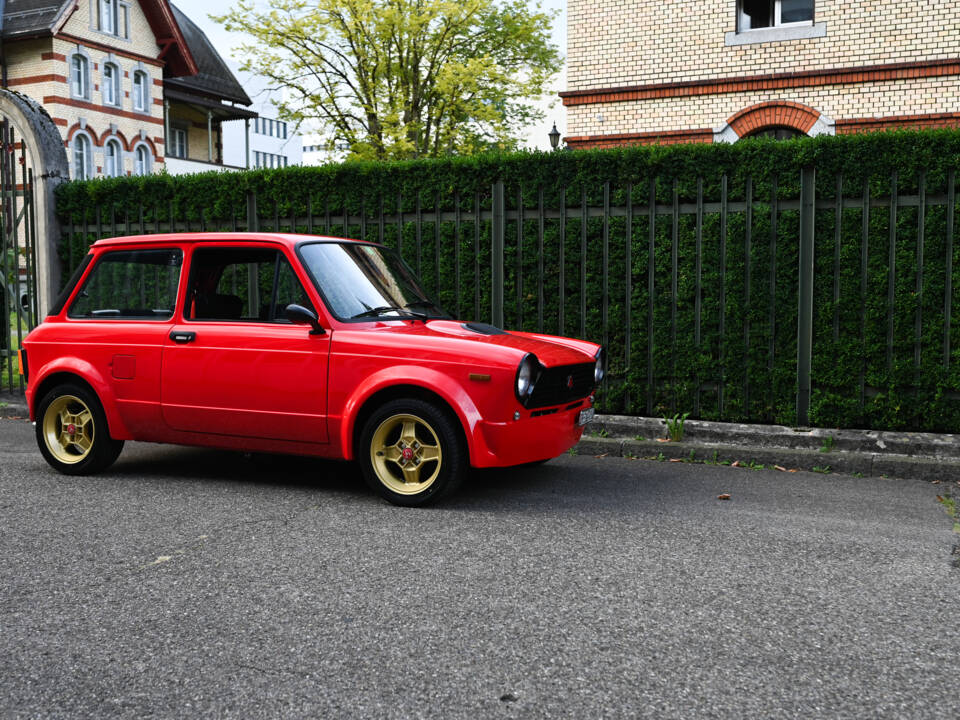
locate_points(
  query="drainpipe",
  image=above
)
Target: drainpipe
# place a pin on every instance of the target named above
(166, 127)
(210, 136)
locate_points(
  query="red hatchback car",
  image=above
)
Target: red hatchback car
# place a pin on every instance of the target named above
(294, 344)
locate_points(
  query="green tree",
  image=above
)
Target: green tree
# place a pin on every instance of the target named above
(399, 79)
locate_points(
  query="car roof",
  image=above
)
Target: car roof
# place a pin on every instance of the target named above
(289, 239)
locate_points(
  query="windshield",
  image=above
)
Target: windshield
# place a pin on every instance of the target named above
(363, 281)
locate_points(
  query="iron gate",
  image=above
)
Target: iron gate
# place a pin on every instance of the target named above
(18, 254)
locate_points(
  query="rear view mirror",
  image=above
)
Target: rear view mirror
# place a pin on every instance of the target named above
(300, 315)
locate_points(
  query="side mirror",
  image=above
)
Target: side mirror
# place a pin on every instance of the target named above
(300, 315)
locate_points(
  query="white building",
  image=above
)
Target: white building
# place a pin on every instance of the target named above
(271, 143)
(318, 152)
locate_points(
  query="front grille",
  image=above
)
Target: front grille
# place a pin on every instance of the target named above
(559, 385)
(539, 413)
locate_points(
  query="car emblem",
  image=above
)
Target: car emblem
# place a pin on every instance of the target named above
(569, 382)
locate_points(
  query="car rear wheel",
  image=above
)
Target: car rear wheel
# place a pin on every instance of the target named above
(72, 431)
(412, 452)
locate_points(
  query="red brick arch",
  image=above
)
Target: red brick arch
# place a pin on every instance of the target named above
(119, 135)
(777, 113)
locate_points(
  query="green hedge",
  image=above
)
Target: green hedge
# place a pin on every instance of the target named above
(744, 368)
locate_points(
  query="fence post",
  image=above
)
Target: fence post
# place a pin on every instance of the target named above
(252, 220)
(805, 294)
(497, 232)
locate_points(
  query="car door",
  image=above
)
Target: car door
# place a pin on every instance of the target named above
(233, 365)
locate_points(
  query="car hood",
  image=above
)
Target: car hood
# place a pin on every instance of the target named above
(470, 341)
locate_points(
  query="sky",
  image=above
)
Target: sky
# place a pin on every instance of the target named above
(225, 42)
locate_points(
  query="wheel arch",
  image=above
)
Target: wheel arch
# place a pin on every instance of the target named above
(396, 392)
(58, 376)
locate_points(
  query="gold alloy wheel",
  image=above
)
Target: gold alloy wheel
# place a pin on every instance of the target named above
(68, 429)
(405, 454)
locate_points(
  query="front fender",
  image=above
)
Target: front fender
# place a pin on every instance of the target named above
(89, 374)
(436, 382)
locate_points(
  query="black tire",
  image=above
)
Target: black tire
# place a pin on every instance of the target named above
(88, 448)
(412, 478)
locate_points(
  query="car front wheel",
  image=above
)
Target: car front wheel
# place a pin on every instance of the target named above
(411, 452)
(72, 431)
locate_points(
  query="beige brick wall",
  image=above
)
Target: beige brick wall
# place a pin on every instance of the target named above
(83, 24)
(612, 43)
(900, 97)
(47, 81)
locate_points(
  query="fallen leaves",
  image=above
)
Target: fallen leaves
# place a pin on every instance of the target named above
(723, 496)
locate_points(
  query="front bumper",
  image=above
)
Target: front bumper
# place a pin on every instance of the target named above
(529, 439)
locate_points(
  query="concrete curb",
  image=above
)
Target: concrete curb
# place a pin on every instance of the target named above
(787, 459)
(870, 453)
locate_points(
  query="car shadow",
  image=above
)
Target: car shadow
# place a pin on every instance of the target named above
(549, 487)
(145, 460)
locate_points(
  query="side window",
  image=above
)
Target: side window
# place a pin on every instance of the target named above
(245, 284)
(130, 285)
(289, 290)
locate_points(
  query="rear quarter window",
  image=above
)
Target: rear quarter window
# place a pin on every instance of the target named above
(130, 285)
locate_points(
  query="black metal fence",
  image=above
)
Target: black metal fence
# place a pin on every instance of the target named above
(18, 259)
(800, 301)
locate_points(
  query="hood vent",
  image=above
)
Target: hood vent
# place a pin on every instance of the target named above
(483, 328)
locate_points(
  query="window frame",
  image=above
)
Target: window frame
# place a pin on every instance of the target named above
(280, 257)
(801, 30)
(108, 9)
(82, 142)
(98, 262)
(775, 15)
(113, 144)
(146, 166)
(175, 148)
(80, 75)
(113, 83)
(144, 95)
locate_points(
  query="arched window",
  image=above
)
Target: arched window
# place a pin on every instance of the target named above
(141, 160)
(80, 76)
(111, 84)
(113, 159)
(141, 91)
(81, 157)
(777, 132)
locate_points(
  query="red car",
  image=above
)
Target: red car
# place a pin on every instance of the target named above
(294, 344)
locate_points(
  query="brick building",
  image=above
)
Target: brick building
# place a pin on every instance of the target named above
(649, 71)
(131, 84)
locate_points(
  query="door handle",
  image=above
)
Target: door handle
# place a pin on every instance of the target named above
(181, 336)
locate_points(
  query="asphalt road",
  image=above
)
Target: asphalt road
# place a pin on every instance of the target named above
(195, 583)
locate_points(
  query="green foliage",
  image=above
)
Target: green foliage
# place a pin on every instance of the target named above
(828, 444)
(675, 426)
(403, 78)
(950, 507)
(876, 364)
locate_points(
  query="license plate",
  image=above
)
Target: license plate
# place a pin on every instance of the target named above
(585, 416)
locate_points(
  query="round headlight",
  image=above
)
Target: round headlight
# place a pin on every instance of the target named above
(600, 369)
(526, 377)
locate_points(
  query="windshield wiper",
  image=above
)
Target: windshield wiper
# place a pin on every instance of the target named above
(384, 309)
(425, 304)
